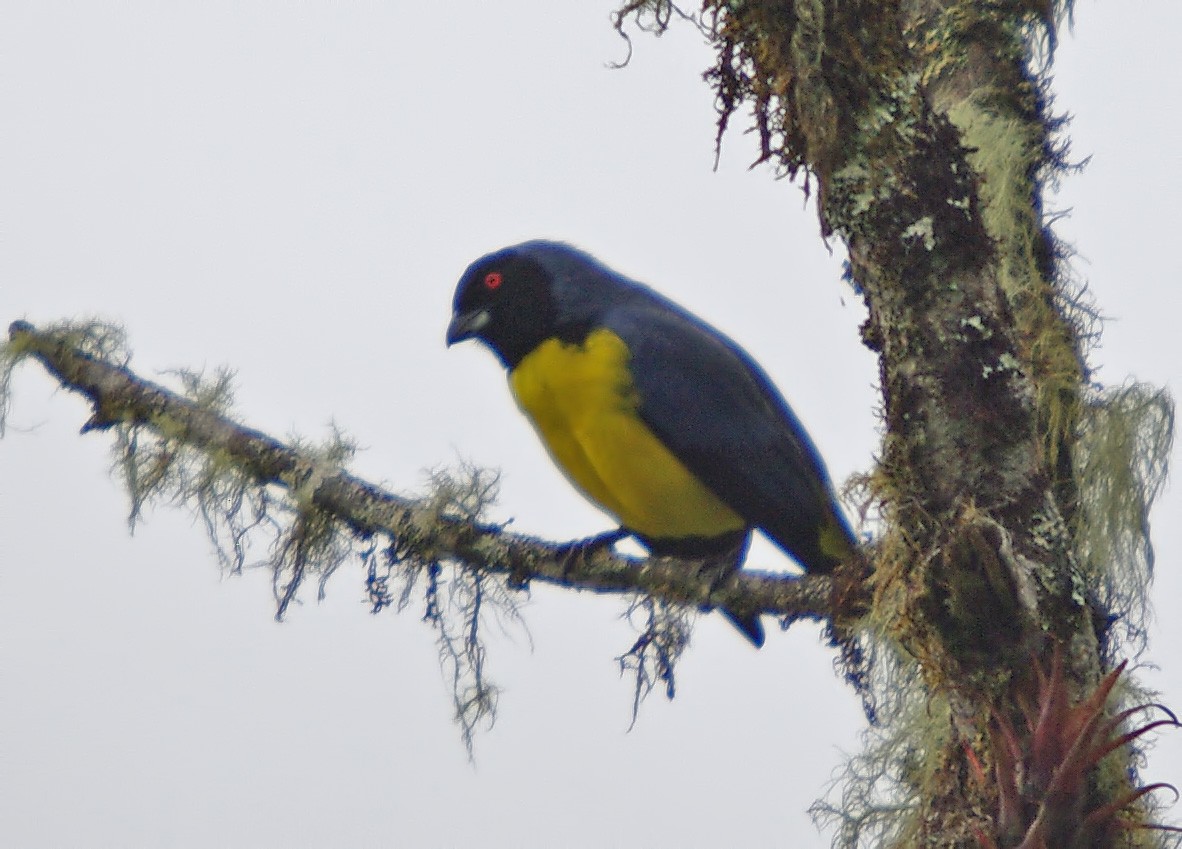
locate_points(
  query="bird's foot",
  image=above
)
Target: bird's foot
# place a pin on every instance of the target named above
(581, 548)
(719, 567)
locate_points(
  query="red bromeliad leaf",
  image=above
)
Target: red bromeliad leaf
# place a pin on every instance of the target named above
(1042, 779)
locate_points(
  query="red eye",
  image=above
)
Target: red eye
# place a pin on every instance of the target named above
(492, 280)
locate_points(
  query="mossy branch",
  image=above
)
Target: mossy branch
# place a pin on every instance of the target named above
(423, 530)
(308, 515)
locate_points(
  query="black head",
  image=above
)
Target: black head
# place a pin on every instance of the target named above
(505, 300)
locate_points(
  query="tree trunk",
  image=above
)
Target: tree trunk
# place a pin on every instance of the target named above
(927, 131)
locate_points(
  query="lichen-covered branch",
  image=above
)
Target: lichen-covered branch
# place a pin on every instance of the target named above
(424, 530)
(295, 510)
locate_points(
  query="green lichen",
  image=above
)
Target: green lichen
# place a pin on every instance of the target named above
(923, 231)
(1007, 152)
(978, 324)
(1122, 462)
(95, 338)
(876, 803)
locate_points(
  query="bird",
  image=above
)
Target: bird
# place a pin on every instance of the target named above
(657, 418)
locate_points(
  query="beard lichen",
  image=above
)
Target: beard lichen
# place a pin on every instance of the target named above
(269, 505)
(1122, 463)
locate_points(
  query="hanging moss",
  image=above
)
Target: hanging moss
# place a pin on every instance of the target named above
(273, 519)
(1122, 462)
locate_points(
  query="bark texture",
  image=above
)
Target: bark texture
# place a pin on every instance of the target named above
(924, 126)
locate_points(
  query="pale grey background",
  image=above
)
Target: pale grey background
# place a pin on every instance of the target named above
(292, 190)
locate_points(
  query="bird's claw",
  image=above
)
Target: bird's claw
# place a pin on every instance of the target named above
(581, 548)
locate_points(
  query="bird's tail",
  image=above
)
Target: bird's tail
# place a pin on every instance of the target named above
(748, 623)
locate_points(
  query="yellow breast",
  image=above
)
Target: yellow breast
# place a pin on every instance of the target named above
(582, 402)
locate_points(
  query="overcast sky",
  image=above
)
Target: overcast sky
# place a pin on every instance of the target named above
(293, 190)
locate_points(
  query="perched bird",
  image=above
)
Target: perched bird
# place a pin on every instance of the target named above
(652, 414)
